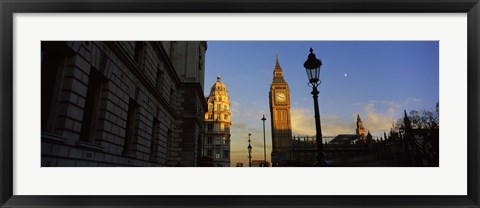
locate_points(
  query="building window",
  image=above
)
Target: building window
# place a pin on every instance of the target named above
(52, 68)
(139, 52)
(169, 144)
(92, 105)
(209, 127)
(209, 107)
(210, 116)
(219, 98)
(224, 139)
(225, 107)
(155, 137)
(209, 140)
(159, 78)
(172, 95)
(218, 116)
(225, 116)
(209, 153)
(173, 45)
(219, 106)
(218, 141)
(227, 127)
(217, 155)
(130, 133)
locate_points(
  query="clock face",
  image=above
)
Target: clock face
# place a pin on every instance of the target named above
(280, 97)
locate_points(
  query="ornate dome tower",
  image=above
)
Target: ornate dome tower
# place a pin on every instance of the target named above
(217, 135)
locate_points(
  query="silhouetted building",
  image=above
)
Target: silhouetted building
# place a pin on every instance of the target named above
(217, 135)
(304, 151)
(129, 103)
(345, 139)
(305, 148)
(260, 163)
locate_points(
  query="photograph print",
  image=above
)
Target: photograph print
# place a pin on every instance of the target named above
(240, 104)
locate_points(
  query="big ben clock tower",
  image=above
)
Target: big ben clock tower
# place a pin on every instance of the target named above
(280, 118)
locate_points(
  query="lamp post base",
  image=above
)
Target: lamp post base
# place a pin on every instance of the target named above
(321, 163)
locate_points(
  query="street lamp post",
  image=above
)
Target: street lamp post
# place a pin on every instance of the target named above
(249, 151)
(312, 66)
(264, 147)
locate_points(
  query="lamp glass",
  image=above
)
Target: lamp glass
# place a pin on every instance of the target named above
(313, 74)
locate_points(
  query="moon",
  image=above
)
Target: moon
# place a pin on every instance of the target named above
(345, 75)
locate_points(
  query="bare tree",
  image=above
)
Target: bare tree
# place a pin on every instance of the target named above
(426, 119)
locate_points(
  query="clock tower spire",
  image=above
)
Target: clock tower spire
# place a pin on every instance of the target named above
(277, 65)
(279, 98)
(360, 129)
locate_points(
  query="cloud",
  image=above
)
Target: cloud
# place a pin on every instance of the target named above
(239, 126)
(417, 100)
(392, 104)
(239, 142)
(377, 117)
(303, 123)
(369, 107)
(234, 107)
(377, 120)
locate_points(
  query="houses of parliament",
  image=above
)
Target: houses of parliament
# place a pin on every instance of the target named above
(290, 150)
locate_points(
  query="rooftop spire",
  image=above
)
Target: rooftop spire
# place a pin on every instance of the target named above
(218, 78)
(277, 65)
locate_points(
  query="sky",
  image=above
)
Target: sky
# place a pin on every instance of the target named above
(375, 79)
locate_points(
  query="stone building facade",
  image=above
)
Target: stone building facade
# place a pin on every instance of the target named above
(129, 103)
(218, 121)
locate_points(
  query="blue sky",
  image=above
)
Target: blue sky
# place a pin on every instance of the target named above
(376, 79)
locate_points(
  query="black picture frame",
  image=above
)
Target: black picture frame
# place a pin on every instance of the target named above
(10, 7)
